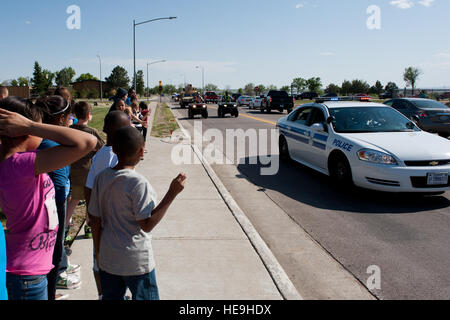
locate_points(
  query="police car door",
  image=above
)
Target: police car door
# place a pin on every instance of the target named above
(298, 138)
(318, 138)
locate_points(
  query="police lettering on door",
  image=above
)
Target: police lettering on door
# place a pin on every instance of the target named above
(343, 145)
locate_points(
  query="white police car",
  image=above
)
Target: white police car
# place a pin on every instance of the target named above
(369, 144)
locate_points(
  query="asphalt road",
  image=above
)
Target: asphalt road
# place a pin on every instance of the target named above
(406, 236)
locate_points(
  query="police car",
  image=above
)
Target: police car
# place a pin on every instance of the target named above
(368, 144)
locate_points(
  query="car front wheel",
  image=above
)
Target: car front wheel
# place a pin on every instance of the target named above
(340, 171)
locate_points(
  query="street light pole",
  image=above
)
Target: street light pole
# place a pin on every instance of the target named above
(203, 78)
(101, 82)
(134, 43)
(148, 88)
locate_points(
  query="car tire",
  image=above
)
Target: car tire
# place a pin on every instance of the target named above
(340, 171)
(190, 115)
(283, 149)
(443, 135)
(262, 108)
(236, 113)
(205, 114)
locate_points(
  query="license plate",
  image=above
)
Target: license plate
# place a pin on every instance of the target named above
(437, 179)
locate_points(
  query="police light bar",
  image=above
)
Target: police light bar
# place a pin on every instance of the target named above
(347, 98)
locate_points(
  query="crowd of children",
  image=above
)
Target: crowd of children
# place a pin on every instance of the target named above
(50, 160)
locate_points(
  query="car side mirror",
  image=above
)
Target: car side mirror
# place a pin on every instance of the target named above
(331, 119)
(318, 127)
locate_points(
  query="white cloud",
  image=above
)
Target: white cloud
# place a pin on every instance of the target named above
(27, 22)
(299, 5)
(403, 4)
(426, 3)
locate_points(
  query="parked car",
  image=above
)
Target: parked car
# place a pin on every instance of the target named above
(444, 96)
(429, 115)
(329, 95)
(256, 102)
(211, 97)
(367, 144)
(278, 100)
(244, 101)
(386, 95)
(308, 95)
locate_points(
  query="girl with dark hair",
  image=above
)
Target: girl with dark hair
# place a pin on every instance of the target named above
(56, 111)
(27, 194)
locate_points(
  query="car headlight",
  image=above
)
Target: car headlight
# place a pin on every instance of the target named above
(373, 156)
(204, 106)
(195, 107)
(235, 105)
(225, 105)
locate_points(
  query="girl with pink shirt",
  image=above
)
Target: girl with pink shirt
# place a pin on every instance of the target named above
(27, 194)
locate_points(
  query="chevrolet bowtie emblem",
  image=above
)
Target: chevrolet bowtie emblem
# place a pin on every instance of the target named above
(434, 163)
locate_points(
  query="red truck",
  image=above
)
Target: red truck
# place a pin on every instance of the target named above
(211, 97)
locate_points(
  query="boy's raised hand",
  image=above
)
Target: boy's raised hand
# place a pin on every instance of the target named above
(177, 184)
(13, 124)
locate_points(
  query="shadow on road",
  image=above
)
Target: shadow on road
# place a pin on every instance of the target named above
(305, 185)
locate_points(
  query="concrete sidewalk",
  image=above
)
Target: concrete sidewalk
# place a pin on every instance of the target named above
(201, 251)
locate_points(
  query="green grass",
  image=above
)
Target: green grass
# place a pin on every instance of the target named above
(164, 123)
(98, 117)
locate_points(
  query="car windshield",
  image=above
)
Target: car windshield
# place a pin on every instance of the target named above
(429, 104)
(278, 94)
(370, 119)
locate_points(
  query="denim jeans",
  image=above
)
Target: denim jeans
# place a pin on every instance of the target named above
(142, 287)
(26, 287)
(59, 254)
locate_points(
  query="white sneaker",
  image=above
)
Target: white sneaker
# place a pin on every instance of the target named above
(69, 282)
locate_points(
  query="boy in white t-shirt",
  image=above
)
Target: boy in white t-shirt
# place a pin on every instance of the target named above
(123, 213)
(104, 158)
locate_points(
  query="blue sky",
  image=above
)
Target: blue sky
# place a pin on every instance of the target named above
(237, 42)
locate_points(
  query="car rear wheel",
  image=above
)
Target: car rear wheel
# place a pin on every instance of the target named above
(283, 148)
(340, 171)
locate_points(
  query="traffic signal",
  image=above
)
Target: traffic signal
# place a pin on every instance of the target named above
(160, 86)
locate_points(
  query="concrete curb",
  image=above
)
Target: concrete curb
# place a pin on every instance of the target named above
(276, 271)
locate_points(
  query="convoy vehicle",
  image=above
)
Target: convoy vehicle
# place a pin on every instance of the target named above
(444, 96)
(211, 97)
(429, 115)
(244, 101)
(198, 108)
(278, 100)
(187, 96)
(227, 107)
(386, 95)
(367, 144)
(256, 102)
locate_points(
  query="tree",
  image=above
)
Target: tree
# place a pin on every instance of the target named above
(249, 89)
(14, 83)
(346, 88)
(118, 78)
(332, 88)
(359, 86)
(140, 84)
(299, 84)
(42, 79)
(271, 87)
(411, 75)
(314, 84)
(64, 76)
(286, 88)
(211, 87)
(86, 76)
(378, 88)
(261, 89)
(23, 82)
(391, 87)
